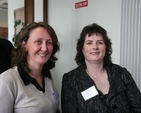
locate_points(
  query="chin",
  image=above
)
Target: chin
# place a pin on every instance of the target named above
(43, 62)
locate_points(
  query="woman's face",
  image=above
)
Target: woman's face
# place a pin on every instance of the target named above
(39, 46)
(94, 49)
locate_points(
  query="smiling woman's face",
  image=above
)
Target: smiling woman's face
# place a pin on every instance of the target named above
(39, 46)
(94, 48)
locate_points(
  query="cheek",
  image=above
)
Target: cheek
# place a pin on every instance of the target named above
(103, 48)
(85, 52)
(104, 51)
(50, 49)
(86, 49)
(33, 50)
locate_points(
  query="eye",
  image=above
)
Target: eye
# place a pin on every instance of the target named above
(100, 42)
(49, 43)
(88, 42)
(38, 42)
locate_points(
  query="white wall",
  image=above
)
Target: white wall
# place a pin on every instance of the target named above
(68, 23)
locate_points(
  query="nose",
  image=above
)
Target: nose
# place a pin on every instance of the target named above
(44, 47)
(95, 46)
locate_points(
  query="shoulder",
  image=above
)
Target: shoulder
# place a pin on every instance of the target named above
(9, 76)
(49, 81)
(5, 42)
(115, 68)
(74, 75)
(75, 71)
(6, 45)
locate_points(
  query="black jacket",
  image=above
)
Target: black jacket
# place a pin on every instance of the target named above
(6, 48)
(123, 96)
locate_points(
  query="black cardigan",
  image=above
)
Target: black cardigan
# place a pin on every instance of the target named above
(123, 96)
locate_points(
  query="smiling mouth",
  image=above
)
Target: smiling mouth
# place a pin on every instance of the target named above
(94, 53)
(41, 54)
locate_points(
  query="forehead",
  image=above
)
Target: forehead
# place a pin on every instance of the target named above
(39, 32)
(96, 36)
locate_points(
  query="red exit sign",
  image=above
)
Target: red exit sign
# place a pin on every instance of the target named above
(81, 4)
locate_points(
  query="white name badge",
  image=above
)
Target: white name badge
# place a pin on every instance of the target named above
(89, 93)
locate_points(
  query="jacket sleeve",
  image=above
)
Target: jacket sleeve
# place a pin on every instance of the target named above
(133, 93)
(6, 98)
(68, 96)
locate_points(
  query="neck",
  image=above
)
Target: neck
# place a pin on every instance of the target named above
(36, 71)
(38, 76)
(95, 70)
(95, 74)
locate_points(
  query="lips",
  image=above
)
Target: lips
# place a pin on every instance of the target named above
(42, 54)
(94, 53)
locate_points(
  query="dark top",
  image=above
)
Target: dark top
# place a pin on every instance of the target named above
(5, 54)
(123, 96)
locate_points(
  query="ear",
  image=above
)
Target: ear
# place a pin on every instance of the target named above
(82, 50)
(24, 45)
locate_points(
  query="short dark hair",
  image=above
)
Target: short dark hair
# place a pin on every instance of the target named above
(20, 55)
(90, 30)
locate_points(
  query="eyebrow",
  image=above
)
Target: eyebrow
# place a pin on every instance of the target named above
(91, 40)
(100, 40)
